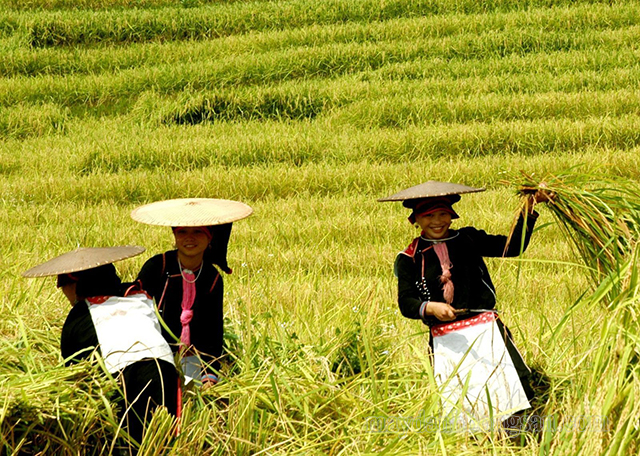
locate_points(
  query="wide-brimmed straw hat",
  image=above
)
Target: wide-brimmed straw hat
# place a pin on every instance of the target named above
(430, 189)
(83, 258)
(191, 212)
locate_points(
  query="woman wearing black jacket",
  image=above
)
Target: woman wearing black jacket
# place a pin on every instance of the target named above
(164, 277)
(118, 322)
(186, 283)
(444, 282)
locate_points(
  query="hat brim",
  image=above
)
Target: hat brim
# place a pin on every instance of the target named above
(83, 258)
(191, 212)
(431, 189)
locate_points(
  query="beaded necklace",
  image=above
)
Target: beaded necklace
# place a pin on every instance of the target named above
(189, 271)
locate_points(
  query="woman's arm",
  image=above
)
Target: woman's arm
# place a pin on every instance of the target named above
(150, 275)
(409, 299)
(497, 245)
(78, 338)
(411, 304)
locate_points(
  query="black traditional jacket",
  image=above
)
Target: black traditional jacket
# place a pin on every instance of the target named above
(160, 277)
(418, 269)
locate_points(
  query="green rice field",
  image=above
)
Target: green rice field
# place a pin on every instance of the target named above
(309, 111)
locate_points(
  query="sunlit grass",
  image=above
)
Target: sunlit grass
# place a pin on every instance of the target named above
(309, 113)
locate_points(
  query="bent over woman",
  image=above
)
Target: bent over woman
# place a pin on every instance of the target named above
(118, 322)
(444, 282)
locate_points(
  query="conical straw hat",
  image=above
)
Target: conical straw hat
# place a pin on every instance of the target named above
(191, 212)
(83, 258)
(430, 189)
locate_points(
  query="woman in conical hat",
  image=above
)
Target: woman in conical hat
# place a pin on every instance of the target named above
(119, 322)
(186, 283)
(444, 282)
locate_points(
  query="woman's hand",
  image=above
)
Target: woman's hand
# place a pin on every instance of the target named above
(540, 196)
(543, 196)
(441, 310)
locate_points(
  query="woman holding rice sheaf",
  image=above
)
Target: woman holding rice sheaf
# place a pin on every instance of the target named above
(186, 283)
(443, 281)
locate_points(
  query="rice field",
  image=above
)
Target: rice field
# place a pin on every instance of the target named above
(309, 112)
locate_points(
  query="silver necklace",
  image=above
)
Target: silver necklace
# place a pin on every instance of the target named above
(439, 241)
(189, 270)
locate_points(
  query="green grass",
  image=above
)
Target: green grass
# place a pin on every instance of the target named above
(139, 25)
(310, 112)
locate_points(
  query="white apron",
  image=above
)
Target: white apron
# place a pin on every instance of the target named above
(128, 330)
(470, 355)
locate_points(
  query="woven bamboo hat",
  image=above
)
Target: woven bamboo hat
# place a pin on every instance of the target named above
(431, 189)
(83, 258)
(191, 212)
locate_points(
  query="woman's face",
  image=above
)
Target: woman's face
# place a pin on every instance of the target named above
(69, 291)
(435, 225)
(192, 241)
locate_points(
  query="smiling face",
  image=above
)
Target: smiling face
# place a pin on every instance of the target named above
(435, 225)
(191, 242)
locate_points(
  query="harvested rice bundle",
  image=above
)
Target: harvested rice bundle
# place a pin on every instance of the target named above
(600, 215)
(44, 405)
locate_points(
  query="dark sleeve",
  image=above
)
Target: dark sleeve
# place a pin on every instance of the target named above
(409, 299)
(78, 339)
(150, 275)
(490, 245)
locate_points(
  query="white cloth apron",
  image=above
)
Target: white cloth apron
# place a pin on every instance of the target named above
(128, 330)
(470, 355)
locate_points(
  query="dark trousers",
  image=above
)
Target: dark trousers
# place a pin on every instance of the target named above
(147, 385)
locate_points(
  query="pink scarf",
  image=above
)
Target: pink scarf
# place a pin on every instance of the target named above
(188, 296)
(445, 263)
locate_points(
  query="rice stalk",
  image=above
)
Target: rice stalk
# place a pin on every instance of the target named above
(599, 215)
(57, 410)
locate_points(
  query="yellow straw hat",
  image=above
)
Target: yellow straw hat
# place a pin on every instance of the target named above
(83, 258)
(191, 212)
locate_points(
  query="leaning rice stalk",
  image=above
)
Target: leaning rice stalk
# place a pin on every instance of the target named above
(59, 410)
(601, 216)
(159, 434)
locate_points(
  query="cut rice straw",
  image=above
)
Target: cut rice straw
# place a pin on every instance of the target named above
(600, 215)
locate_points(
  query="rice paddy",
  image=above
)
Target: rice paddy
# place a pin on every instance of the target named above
(309, 112)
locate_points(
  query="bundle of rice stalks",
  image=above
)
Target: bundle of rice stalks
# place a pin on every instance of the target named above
(600, 215)
(60, 410)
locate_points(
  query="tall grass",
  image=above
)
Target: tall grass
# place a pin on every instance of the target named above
(48, 408)
(447, 37)
(309, 112)
(23, 120)
(59, 29)
(331, 57)
(93, 4)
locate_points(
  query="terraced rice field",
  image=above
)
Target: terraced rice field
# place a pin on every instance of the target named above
(309, 112)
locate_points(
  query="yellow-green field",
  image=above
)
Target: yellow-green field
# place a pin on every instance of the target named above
(309, 111)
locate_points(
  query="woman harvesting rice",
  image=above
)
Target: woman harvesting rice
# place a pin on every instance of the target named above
(443, 281)
(117, 321)
(186, 283)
